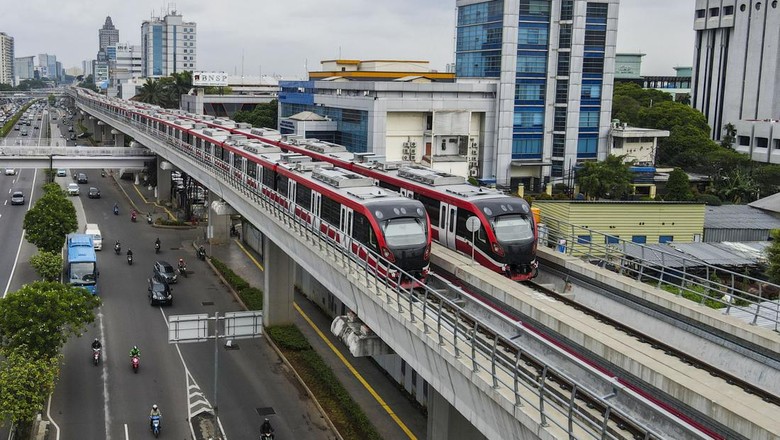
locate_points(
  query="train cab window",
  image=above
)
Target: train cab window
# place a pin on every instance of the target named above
(512, 228)
(404, 232)
(361, 229)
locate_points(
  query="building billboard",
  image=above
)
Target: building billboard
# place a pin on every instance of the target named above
(210, 79)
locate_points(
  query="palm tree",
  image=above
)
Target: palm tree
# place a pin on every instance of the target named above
(151, 92)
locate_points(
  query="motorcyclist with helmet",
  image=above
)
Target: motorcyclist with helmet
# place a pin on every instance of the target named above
(154, 412)
(266, 430)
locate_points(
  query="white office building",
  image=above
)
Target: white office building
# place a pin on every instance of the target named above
(24, 68)
(168, 45)
(736, 67)
(6, 59)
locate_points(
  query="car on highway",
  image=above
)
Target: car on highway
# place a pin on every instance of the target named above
(62, 172)
(73, 189)
(70, 129)
(165, 271)
(81, 178)
(17, 198)
(10, 171)
(93, 193)
(16, 127)
(159, 291)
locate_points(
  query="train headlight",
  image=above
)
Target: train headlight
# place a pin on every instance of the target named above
(388, 255)
(498, 250)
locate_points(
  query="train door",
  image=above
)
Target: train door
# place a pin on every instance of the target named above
(345, 224)
(291, 194)
(316, 199)
(447, 218)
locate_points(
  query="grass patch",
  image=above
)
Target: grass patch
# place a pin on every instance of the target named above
(251, 296)
(346, 415)
(697, 294)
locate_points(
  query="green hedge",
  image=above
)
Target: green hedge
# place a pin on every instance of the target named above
(346, 415)
(166, 222)
(252, 296)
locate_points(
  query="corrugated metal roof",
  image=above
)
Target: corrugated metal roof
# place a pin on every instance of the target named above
(738, 217)
(770, 203)
(690, 255)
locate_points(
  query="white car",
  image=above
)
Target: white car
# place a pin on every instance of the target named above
(10, 171)
(73, 189)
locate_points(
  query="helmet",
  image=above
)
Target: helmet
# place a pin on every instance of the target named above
(181, 260)
(96, 340)
(266, 419)
(135, 347)
(154, 406)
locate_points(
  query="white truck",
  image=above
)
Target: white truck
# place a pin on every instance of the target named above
(97, 239)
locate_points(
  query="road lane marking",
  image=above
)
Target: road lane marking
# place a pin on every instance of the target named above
(127, 434)
(251, 257)
(104, 376)
(51, 419)
(358, 376)
(21, 239)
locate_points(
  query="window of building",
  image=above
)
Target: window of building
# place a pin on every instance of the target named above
(532, 36)
(564, 36)
(743, 141)
(567, 9)
(665, 239)
(560, 119)
(595, 37)
(587, 147)
(558, 145)
(729, 10)
(529, 118)
(591, 91)
(534, 63)
(527, 148)
(612, 239)
(529, 92)
(640, 239)
(589, 119)
(535, 8)
(562, 91)
(762, 142)
(593, 64)
(776, 144)
(583, 239)
(597, 12)
(480, 13)
(563, 63)
(714, 12)
(557, 168)
(701, 13)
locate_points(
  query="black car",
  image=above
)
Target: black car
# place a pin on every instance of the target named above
(165, 271)
(94, 193)
(82, 178)
(159, 291)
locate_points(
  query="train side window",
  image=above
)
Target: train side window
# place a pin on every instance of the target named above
(281, 184)
(460, 225)
(303, 197)
(218, 152)
(452, 219)
(331, 211)
(431, 206)
(238, 161)
(251, 169)
(481, 235)
(390, 187)
(269, 178)
(360, 228)
(443, 216)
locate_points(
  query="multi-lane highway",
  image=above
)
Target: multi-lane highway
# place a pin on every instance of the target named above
(109, 401)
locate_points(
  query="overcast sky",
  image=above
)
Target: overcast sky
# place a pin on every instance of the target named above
(276, 37)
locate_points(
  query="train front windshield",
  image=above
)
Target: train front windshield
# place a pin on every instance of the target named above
(404, 232)
(513, 228)
(82, 274)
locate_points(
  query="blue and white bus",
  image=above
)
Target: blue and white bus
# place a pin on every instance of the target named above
(81, 262)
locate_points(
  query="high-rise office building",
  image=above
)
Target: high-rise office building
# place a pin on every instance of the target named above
(124, 61)
(6, 59)
(48, 66)
(24, 68)
(108, 35)
(736, 68)
(168, 45)
(554, 62)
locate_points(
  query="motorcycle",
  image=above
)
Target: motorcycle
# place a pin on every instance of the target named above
(135, 362)
(155, 425)
(149, 218)
(116, 210)
(132, 217)
(130, 260)
(266, 436)
(202, 253)
(117, 248)
(102, 174)
(157, 248)
(183, 271)
(95, 356)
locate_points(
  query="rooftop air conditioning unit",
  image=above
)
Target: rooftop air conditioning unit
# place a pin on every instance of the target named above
(473, 172)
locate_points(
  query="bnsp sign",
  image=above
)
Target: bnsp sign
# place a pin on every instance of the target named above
(210, 79)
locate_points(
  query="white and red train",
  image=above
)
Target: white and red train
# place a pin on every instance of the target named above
(507, 236)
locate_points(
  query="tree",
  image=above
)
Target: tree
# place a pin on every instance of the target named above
(50, 220)
(773, 258)
(263, 115)
(25, 383)
(47, 264)
(41, 316)
(729, 136)
(151, 92)
(736, 185)
(678, 188)
(608, 179)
